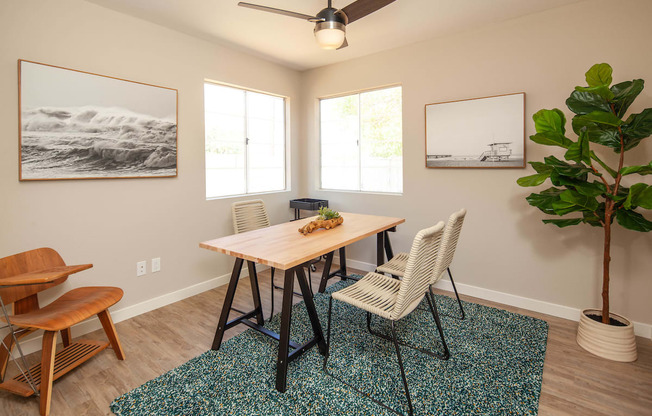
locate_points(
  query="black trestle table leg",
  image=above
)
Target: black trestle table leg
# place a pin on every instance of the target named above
(284, 340)
(228, 301)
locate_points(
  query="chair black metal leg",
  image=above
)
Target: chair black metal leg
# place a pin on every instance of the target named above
(328, 333)
(435, 315)
(444, 356)
(459, 302)
(400, 364)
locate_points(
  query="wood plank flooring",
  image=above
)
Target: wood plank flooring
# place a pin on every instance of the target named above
(574, 381)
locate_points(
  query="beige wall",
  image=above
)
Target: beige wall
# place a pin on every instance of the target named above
(115, 223)
(504, 246)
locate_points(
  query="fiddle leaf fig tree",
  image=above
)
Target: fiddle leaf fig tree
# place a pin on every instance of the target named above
(585, 188)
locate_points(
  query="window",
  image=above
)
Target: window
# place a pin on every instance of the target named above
(361, 141)
(245, 141)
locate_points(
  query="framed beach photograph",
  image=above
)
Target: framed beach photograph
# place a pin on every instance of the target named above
(79, 125)
(486, 132)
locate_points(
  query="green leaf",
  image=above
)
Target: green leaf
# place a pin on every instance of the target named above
(576, 170)
(599, 74)
(533, 180)
(540, 167)
(545, 199)
(565, 207)
(621, 195)
(581, 185)
(551, 138)
(624, 95)
(601, 117)
(601, 90)
(593, 189)
(599, 78)
(550, 121)
(641, 170)
(640, 195)
(637, 127)
(597, 133)
(581, 102)
(632, 220)
(587, 203)
(561, 223)
(579, 151)
(644, 199)
(634, 190)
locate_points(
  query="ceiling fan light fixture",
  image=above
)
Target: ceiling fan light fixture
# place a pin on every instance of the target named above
(330, 35)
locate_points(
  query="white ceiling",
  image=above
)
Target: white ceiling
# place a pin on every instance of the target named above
(290, 41)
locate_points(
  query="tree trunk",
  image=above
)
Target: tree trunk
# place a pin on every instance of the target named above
(606, 261)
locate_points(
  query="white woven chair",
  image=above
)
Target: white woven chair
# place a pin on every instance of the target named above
(393, 299)
(396, 266)
(252, 215)
(249, 215)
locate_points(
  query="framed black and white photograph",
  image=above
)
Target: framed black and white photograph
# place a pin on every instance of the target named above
(79, 125)
(486, 132)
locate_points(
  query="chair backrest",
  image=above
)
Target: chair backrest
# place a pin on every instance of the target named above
(249, 215)
(421, 262)
(448, 244)
(25, 262)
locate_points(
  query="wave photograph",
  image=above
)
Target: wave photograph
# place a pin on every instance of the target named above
(79, 125)
(92, 142)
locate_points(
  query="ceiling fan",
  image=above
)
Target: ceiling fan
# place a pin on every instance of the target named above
(330, 23)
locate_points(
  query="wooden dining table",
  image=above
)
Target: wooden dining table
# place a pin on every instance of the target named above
(283, 247)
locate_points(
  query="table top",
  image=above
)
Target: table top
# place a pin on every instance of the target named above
(282, 246)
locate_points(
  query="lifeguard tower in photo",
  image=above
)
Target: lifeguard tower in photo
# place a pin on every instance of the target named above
(499, 152)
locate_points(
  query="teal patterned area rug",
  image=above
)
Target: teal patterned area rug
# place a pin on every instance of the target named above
(495, 368)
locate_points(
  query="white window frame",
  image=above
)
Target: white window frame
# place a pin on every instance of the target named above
(286, 143)
(319, 126)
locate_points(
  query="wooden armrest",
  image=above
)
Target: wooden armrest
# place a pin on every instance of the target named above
(43, 276)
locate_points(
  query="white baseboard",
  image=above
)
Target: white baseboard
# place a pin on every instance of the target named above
(32, 344)
(560, 311)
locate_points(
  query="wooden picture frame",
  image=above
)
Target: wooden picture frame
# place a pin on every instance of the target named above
(79, 125)
(486, 132)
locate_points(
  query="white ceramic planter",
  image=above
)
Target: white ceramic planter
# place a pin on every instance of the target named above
(616, 343)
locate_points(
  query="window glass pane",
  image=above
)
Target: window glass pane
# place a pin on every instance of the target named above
(234, 167)
(266, 150)
(361, 141)
(381, 160)
(225, 133)
(340, 132)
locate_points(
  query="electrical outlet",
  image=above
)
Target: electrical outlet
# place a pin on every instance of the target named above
(156, 265)
(141, 268)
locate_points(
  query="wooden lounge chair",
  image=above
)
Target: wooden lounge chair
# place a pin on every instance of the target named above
(24, 275)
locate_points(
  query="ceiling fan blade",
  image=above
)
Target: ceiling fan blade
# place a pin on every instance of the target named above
(360, 8)
(279, 11)
(344, 45)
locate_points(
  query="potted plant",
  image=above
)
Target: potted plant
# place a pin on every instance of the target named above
(591, 192)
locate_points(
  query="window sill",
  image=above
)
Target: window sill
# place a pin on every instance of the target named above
(243, 195)
(361, 192)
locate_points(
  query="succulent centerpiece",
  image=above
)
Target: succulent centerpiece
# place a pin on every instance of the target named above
(327, 219)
